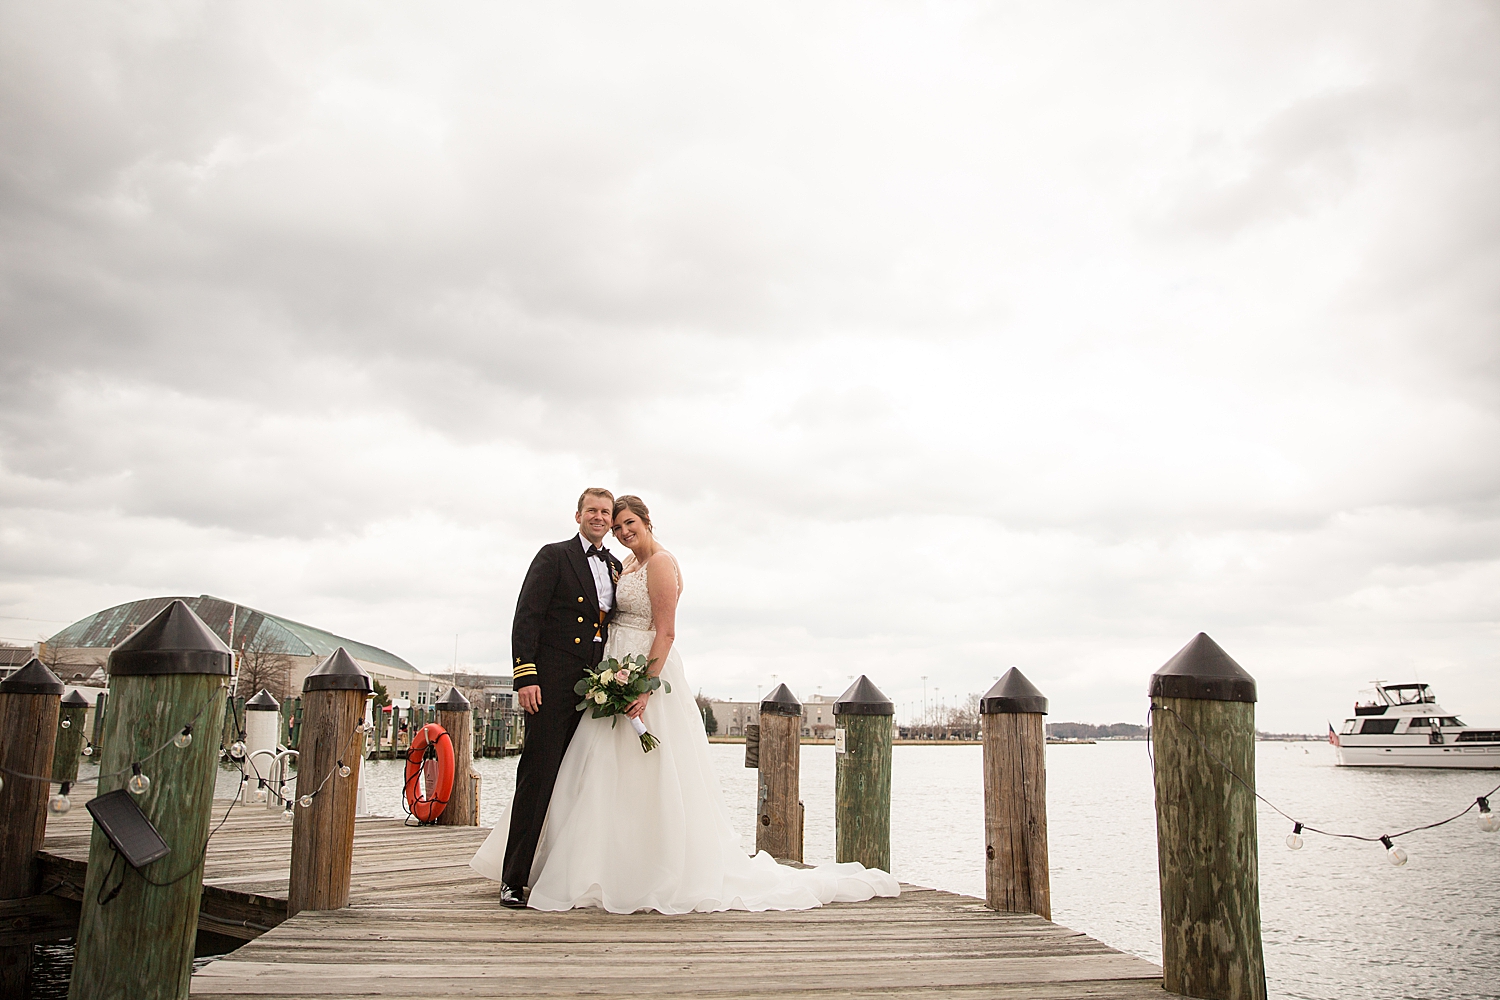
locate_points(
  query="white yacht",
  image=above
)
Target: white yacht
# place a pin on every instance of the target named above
(1402, 725)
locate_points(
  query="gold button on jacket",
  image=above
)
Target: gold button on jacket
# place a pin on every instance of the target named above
(580, 600)
(577, 640)
(580, 618)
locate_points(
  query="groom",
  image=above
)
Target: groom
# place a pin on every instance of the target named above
(562, 619)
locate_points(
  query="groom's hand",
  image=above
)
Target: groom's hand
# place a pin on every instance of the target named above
(530, 698)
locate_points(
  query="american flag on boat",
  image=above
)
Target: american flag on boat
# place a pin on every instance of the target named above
(1333, 737)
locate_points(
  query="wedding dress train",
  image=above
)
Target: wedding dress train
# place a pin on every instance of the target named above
(629, 830)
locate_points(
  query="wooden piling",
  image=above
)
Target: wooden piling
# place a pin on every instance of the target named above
(138, 928)
(1015, 797)
(96, 734)
(455, 715)
(332, 707)
(68, 748)
(778, 826)
(1202, 708)
(862, 719)
(28, 726)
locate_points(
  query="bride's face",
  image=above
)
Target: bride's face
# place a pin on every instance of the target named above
(630, 529)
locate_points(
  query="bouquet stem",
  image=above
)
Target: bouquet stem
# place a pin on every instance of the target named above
(648, 742)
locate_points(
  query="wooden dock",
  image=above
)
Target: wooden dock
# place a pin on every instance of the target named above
(422, 923)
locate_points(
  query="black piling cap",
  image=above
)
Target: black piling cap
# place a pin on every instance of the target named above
(1203, 671)
(781, 701)
(174, 641)
(453, 701)
(863, 698)
(33, 678)
(263, 702)
(338, 673)
(75, 699)
(1013, 694)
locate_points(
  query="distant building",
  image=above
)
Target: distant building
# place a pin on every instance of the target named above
(270, 651)
(734, 716)
(13, 658)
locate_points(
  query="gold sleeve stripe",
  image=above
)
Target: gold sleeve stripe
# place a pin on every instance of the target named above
(524, 670)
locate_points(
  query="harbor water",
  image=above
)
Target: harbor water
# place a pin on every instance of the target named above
(1339, 921)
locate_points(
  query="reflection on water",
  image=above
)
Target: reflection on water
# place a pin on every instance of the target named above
(1338, 920)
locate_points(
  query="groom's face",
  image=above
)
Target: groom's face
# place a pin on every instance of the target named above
(596, 517)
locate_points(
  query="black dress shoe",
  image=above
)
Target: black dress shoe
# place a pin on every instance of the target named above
(511, 898)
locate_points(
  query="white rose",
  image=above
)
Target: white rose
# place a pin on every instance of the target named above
(606, 676)
(600, 697)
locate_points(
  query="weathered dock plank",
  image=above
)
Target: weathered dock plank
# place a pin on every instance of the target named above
(420, 922)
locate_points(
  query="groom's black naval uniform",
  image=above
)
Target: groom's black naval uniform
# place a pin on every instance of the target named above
(558, 633)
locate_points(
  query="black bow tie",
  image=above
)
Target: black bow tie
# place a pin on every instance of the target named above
(594, 550)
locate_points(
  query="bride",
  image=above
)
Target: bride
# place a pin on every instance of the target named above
(628, 830)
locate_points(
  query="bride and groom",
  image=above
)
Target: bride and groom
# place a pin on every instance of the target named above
(597, 821)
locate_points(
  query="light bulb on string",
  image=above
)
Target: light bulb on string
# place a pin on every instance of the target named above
(260, 790)
(237, 749)
(184, 739)
(88, 749)
(60, 803)
(287, 813)
(1489, 822)
(139, 784)
(1294, 839)
(66, 724)
(305, 802)
(1397, 855)
(345, 770)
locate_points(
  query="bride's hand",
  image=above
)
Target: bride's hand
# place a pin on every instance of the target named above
(638, 706)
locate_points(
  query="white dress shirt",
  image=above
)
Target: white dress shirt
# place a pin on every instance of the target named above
(603, 586)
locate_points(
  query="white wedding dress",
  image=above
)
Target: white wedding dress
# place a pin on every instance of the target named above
(629, 830)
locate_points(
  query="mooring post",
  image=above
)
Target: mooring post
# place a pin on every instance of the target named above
(331, 737)
(96, 734)
(778, 810)
(167, 686)
(262, 717)
(72, 711)
(1015, 797)
(28, 727)
(455, 715)
(862, 775)
(1203, 727)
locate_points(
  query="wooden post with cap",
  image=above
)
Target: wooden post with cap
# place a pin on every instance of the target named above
(28, 726)
(778, 808)
(455, 715)
(66, 752)
(137, 928)
(1015, 797)
(332, 738)
(1203, 725)
(862, 775)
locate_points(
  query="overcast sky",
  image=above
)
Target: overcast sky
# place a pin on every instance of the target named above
(940, 338)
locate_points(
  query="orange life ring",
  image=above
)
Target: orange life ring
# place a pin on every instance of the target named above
(431, 747)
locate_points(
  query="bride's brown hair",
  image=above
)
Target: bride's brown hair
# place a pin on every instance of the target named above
(637, 506)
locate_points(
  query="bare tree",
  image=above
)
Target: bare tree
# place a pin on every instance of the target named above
(264, 667)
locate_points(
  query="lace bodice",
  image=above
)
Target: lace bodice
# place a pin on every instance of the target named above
(633, 601)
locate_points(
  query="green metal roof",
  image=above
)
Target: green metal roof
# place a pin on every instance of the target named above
(253, 629)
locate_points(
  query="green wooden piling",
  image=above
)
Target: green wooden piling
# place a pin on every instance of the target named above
(862, 775)
(67, 750)
(28, 727)
(96, 737)
(138, 928)
(1202, 726)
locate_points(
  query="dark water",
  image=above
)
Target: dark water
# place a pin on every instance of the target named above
(1339, 921)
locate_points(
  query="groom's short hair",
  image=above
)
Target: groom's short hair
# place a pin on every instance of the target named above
(597, 492)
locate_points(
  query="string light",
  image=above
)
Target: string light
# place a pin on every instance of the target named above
(88, 749)
(237, 749)
(66, 724)
(139, 784)
(287, 813)
(305, 802)
(345, 770)
(184, 739)
(60, 803)
(1488, 821)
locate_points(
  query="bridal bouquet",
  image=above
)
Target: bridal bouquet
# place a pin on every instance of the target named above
(614, 685)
